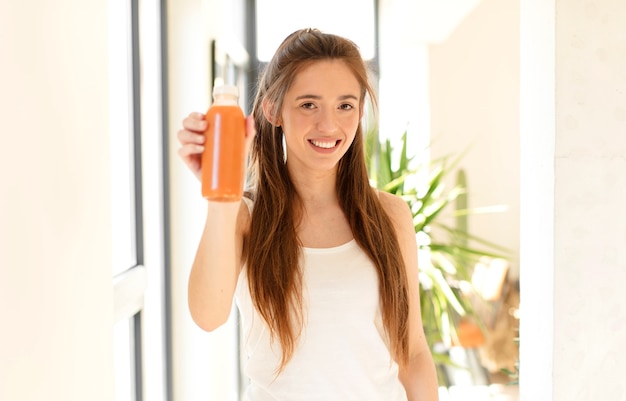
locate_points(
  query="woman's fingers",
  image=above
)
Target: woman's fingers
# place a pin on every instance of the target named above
(189, 137)
(190, 149)
(195, 122)
(192, 133)
(191, 155)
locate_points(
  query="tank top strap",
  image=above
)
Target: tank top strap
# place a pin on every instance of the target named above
(249, 203)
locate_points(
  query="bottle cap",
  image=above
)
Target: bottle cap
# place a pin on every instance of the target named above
(231, 90)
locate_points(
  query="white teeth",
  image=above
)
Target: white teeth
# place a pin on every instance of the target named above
(325, 145)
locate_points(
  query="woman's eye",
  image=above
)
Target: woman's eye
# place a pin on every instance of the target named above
(346, 106)
(307, 105)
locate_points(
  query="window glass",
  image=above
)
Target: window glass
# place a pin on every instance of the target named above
(354, 19)
(121, 132)
(123, 360)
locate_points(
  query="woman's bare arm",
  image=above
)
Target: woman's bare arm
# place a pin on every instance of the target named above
(217, 264)
(419, 377)
(218, 260)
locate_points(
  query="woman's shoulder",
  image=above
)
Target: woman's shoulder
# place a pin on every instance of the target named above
(398, 211)
(393, 204)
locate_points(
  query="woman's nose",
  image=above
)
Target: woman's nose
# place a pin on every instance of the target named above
(327, 121)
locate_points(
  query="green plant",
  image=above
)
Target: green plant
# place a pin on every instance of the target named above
(445, 264)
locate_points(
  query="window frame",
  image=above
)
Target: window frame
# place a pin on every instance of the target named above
(142, 292)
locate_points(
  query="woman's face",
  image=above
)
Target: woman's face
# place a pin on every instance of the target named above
(320, 115)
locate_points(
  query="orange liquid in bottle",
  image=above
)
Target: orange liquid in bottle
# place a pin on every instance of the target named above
(223, 161)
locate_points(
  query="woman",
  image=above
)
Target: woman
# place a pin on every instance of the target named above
(322, 266)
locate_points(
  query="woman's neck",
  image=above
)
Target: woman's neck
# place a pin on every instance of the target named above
(322, 223)
(316, 188)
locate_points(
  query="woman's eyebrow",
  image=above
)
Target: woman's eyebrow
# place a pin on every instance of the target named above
(317, 97)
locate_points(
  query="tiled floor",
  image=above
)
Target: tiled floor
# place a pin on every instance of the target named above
(494, 392)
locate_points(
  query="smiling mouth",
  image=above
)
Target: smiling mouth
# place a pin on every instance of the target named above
(324, 144)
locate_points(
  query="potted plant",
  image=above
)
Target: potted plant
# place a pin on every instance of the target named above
(445, 264)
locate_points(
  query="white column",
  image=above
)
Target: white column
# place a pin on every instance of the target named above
(537, 132)
(573, 144)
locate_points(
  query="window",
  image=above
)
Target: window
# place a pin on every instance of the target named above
(139, 209)
(354, 19)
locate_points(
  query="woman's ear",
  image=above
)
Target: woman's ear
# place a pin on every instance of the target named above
(270, 113)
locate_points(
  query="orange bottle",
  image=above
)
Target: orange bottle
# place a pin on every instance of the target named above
(223, 159)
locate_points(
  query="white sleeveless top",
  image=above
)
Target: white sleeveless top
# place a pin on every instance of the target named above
(342, 353)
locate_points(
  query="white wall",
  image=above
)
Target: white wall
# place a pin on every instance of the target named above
(450, 76)
(474, 103)
(56, 301)
(573, 321)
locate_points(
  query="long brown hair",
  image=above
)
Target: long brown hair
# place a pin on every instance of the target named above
(272, 248)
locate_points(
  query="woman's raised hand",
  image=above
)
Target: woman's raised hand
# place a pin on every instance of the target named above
(191, 138)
